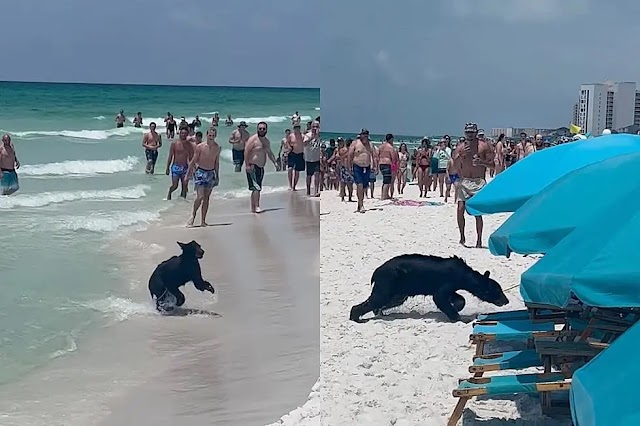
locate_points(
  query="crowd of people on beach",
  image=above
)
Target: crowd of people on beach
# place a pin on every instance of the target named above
(433, 166)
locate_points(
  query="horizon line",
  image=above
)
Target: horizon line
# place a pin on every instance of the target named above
(157, 85)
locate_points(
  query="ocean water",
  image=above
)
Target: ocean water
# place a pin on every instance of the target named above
(82, 184)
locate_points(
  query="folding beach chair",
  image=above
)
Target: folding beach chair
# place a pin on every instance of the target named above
(534, 312)
(513, 330)
(506, 385)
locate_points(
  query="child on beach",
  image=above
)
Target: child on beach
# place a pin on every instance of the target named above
(452, 178)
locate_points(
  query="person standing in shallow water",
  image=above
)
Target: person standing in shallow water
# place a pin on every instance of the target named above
(9, 163)
(206, 163)
(256, 151)
(180, 154)
(151, 142)
(238, 139)
(473, 158)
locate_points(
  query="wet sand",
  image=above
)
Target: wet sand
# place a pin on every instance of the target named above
(249, 354)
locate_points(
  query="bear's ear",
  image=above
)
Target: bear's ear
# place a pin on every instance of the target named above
(486, 274)
(181, 244)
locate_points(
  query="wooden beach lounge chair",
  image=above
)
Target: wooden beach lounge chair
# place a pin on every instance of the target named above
(513, 330)
(506, 385)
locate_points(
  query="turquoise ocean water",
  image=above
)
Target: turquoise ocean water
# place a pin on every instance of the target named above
(82, 183)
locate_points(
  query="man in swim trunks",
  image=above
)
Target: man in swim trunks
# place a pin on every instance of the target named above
(215, 120)
(180, 154)
(137, 121)
(344, 169)
(238, 140)
(295, 159)
(256, 151)
(196, 122)
(524, 148)
(9, 163)
(472, 158)
(312, 153)
(171, 126)
(228, 122)
(120, 118)
(284, 151)
(361, 160)
(206, 163)
(387, 157)
(151, 142)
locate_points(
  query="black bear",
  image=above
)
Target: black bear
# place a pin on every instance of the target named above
(173, 273)
(411, 275)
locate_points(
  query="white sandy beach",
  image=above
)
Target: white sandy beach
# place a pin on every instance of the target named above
(401, 370)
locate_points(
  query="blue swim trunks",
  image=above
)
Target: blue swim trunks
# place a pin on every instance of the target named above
(9, 182)
(205, 178)
(361, 175)
(178, 170)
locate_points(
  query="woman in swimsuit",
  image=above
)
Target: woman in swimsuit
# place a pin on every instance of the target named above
(403, 158)
(423, 160)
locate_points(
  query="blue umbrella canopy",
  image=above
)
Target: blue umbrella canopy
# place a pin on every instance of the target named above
(553, 213)
(513, 187)
(602, 392)
(599, 262)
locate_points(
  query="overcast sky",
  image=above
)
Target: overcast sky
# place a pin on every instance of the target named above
(426, 67)
(198, 42)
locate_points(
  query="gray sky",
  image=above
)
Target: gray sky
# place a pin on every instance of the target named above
(428, 66)
(198, 42)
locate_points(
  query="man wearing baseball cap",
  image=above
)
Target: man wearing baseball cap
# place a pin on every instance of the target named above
(238, 139)
(474, 157)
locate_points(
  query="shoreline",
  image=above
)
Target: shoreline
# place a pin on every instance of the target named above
(139, 355)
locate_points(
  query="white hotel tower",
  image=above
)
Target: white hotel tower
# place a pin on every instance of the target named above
(606, 105)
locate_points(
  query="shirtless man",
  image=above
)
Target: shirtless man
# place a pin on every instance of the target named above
(284, 151)
(312, 154)
(171, 126)
(360, 160)
(151, 142)
(473, 157)
(387, 156)
(215, 120)
(137, 120)
(206, 163)
(120, 118)
(9, 163)
(256, 151)
(196, 122)
(423, 164)
(524, 147)
(238, 140)
(344, 169)
(295, 119)
(295, 159)
(228, 122)
(180, 154)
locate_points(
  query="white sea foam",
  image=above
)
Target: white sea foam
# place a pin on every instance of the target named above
(270, 119)
(107, 222)
(119, 308)
(241, 193)
(70, 347)
(45, 198)
(79, 134)
(317, 108)
(100, 117)
(80, 167)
